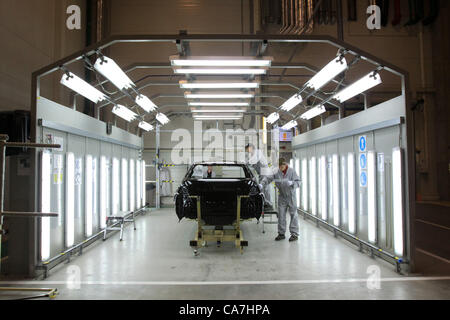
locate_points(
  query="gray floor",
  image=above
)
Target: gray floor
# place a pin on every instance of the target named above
(155, 262)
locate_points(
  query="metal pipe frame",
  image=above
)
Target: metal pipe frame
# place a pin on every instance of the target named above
(267, 39)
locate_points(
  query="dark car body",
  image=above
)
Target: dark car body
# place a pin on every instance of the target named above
(218, 195)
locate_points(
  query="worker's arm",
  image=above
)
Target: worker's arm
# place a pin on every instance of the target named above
(295, 181)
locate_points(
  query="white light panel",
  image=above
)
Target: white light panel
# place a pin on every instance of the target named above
(328, 73)
(104, 190)
(360, 86)
(110, 70)
(372, 195)
(88, 197)
(124, 184)
(336, 198)
(45, 204)
(81, 87)
(70, 201)
(397, 200)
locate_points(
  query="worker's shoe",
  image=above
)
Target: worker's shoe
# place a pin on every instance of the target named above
(293, 238)
(280, 237)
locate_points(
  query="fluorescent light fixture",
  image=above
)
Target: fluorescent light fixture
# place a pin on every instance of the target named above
(189, 95)
(145, 103)
(103, 191)
(369, 81)
(289, 125)
(323, 187)
(291, 163)
(218, 110)
(305, 184)
(273, 117)
(264, 130)
(110, 70)
(217, 117)
(314, 112)
(221, 61)
(162, 118)
(372, 196)
(351, 193)
(313, 179)
(397, 200)
(218, 85)
(70, 201)
(88, 197)
(219, 104)
(219, 71)
(124, 184)
(81, 87)
(132, 186)
(297, 191)
(115, 187)
(45, 203)
(145, 126)
(292, 102)
(336, 199)
(138, 184)
(144, 176)
(124, 113)
(328, 73)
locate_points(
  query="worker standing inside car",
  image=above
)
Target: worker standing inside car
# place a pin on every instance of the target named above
(286, 181)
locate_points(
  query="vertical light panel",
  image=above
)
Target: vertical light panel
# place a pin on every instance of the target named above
(70, 201)
(124, 184)
(132, 186)
(103, 191)
(397, 200)
(372, 196)
(336, 198)
(297, 191)
(351, 193)
(144, 192)
(94, 187)
(138, 184)
(323, 187)
(291, 163)
(313, 191)
(89, 205)
(305, 183)
(115, 187)
(45, 204)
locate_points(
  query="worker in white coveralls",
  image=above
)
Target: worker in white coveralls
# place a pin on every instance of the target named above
(258, 161)
(286, 181)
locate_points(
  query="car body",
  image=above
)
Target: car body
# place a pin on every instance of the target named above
(219, 194)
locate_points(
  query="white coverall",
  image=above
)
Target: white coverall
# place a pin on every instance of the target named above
(258, 161)
(287, 202)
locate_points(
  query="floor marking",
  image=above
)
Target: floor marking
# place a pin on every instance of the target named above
(213, 283)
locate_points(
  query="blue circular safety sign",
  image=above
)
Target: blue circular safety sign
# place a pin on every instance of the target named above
(363, 161)
(362, 144)
(363, 179)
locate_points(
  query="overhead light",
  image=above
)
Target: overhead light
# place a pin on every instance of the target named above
(83, 88)
(369, 81)
(290, 125)
(218, 85)
(220, 104)
(397, 200)
(145, 103)
(70, 200)
(162, 118)
(145, 126)
(218, 110)
(46, 174)
(221, 61)
(314, 112)
(124, 113)
(189, 95)
(220, 71)
(328, 73)
(110, 70)
(272, 118)
(231, 117)
(292, 102)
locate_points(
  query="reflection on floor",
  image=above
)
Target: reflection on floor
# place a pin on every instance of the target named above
(155, 262)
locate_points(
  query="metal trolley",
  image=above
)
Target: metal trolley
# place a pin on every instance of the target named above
(218, 234)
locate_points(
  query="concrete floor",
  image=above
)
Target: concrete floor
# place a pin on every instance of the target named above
(155, 262)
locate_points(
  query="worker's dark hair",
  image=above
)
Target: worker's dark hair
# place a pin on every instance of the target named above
(282, 161)
(249, 145)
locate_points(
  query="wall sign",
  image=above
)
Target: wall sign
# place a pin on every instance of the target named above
(362, 143)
